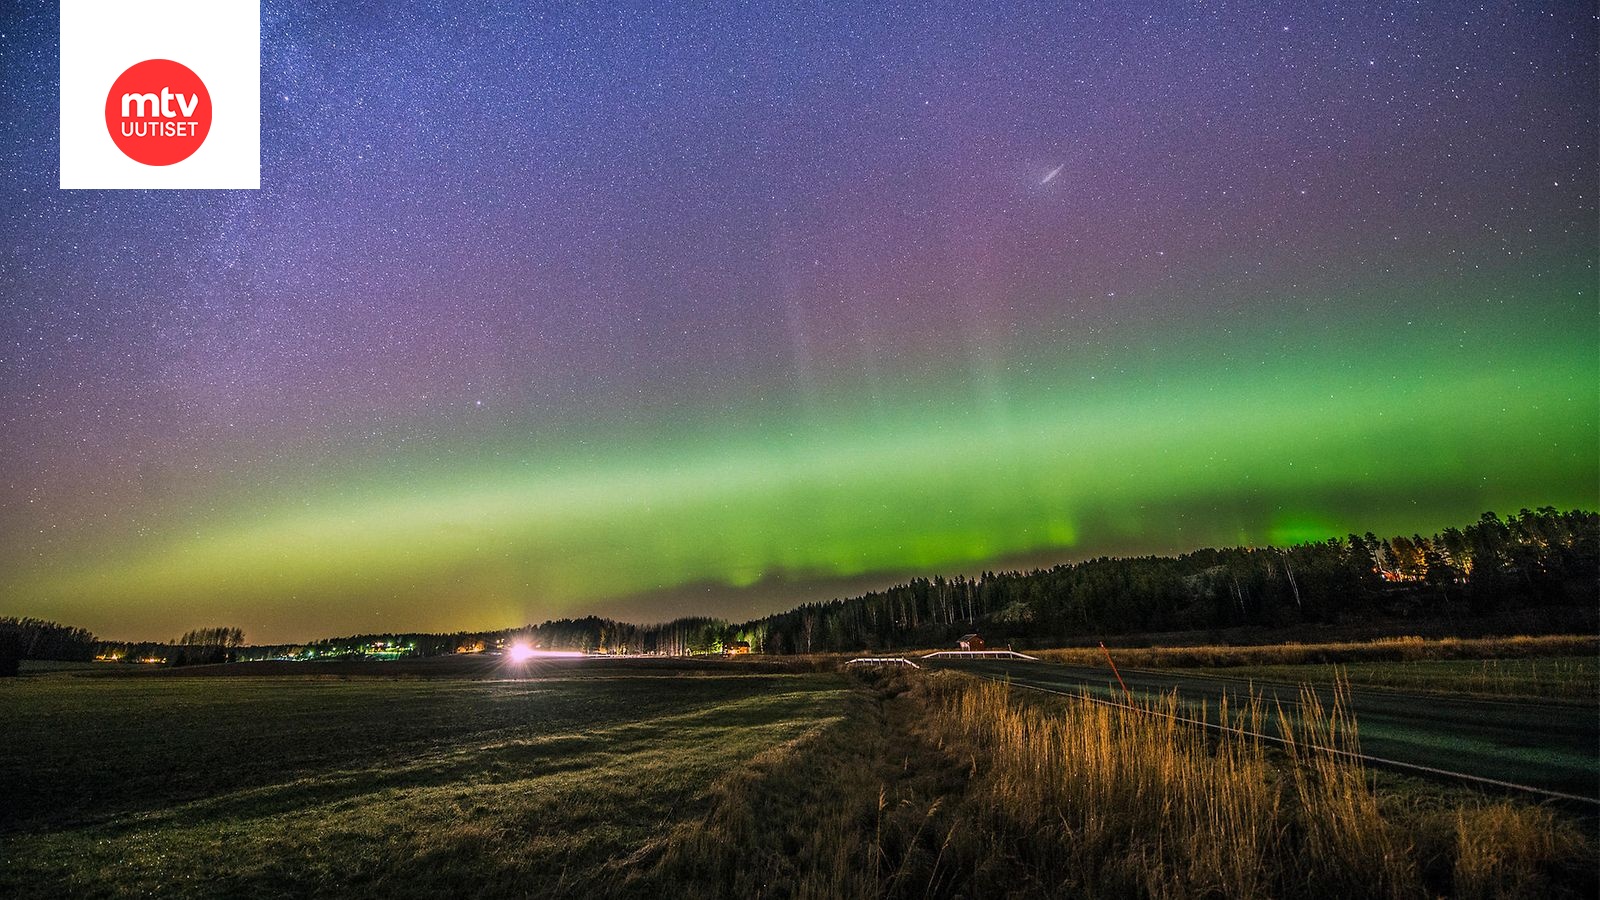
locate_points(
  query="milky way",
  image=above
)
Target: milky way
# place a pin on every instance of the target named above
(649, 311)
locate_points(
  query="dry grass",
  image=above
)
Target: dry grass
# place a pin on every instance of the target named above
(859, 809)
(1103, 800)
(1133, 802)
(943, 785)
(1396, 649)
(752, 809)
(1345, 844)
(1505, 850)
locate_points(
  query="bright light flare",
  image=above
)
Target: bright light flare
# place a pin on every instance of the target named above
(519, 653)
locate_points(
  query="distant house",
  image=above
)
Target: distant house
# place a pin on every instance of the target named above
(736, 648)
(970, 642)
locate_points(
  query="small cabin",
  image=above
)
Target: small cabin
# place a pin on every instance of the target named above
(970, 642)
(736, 648)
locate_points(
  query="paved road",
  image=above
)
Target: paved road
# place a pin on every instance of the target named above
(1552, 747)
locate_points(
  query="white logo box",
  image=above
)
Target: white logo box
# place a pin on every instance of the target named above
(219, 39)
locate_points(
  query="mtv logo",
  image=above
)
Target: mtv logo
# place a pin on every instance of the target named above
(160, 94)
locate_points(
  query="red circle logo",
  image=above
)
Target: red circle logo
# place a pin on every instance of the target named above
(158, 112)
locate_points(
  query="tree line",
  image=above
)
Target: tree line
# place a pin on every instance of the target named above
(1542, 557)
(196, 647)
(224, 638)
(1535, 558)
(28, 638)
(590, 634)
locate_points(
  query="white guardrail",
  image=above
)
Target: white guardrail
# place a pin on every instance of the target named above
(978, 654)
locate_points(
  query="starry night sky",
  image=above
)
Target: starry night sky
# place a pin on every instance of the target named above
(648, 312)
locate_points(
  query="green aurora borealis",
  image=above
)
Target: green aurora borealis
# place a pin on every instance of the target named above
(650, 312)
(1191, 441)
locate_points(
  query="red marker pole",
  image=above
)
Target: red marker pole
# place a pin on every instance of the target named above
(1115, 672)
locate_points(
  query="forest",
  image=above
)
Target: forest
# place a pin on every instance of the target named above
(1542, 557)
(1536, 558)
(27, 638)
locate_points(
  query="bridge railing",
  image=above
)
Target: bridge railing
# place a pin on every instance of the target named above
(978, 654)
(882, 661)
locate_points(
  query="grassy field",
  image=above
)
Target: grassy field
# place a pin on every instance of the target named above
(1393, 649)
(1548, 667)
(1542, 678)
(646, 779)
(211, 787)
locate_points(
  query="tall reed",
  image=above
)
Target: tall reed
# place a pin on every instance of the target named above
(1132, 801)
